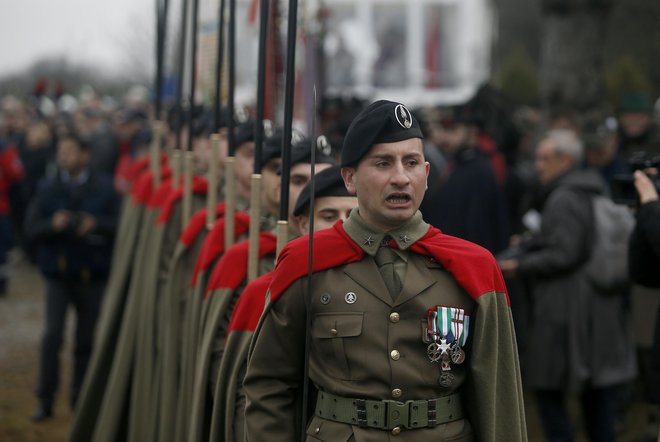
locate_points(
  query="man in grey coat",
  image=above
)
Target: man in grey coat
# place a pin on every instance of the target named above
(580, 341)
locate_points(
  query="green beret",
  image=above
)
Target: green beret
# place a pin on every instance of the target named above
(381, 122)
(328, 182)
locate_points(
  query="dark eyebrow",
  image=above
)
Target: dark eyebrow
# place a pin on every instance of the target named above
(381, 156)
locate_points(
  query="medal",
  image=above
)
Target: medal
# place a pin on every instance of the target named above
(446, 379)
(444, 347)
(457, 355)
(444, 362)
(433, 351)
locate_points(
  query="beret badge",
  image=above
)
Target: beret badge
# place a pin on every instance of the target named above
(403, 116)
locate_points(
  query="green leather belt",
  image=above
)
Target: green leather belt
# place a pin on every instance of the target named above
(388, 414)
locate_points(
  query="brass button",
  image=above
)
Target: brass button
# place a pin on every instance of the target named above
(394, 317)
(394, 354)
(318, 430)
(333, 331)
(396, 431)
(396, 393)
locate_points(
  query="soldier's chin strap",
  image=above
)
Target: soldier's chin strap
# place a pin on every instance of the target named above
(310, 271)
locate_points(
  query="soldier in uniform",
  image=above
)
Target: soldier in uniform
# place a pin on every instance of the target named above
(410, 330)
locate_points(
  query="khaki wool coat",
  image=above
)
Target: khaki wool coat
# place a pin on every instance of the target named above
(370, 345)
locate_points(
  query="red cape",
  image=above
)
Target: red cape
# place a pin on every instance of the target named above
(199, 187)
(143, 190)
(250, 305)
(197, 223)
(472, 266)
(231, 270)
(214, 243)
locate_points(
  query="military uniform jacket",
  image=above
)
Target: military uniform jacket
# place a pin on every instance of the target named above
(367, 345)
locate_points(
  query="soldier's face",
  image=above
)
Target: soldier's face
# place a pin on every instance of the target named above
(299, 176)
(327, 211)
(244, 165)
(389, 183)
(271, 185)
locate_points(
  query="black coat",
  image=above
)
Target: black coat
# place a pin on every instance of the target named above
(470, 204)
(64, 255)
(644, 267)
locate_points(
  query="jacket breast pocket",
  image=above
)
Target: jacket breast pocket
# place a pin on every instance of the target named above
(335, 337)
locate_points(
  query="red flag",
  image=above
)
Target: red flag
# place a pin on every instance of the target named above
(433, 53)
(252, 14)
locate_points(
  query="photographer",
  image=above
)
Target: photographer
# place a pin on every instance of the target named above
(70, 222)
(644, 267)
(645, 241)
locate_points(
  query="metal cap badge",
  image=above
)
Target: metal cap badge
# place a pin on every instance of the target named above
(403, 116)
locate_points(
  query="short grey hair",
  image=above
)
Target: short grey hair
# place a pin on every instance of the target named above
(566, 142)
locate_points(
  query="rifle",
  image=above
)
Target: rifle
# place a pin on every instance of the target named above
(283, 223)
(188, 156)
(310, 272)
(230, 178)
(255, 197)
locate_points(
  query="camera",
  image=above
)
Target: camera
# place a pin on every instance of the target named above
(623, 185)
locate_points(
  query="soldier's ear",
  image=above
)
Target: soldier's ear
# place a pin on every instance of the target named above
(302, 222)
(348, 175)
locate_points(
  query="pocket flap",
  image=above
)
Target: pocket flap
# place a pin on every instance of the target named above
(337, 325)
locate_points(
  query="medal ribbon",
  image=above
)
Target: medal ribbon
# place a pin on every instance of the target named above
(453, 324)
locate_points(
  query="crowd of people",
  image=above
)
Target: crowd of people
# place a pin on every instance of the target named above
(168, 317)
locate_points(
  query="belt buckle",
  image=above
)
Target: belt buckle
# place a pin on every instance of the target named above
(398, 414)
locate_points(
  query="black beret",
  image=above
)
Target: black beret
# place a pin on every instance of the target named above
(463, 114)
(301, 152)
(328, 182)
(202, 121)
(142, 138)
(244, 133)
(381, 122)
(272, 147)
(132, 114)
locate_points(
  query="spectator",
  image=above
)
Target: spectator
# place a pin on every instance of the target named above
(579, 339)
(636, 129)
(71, 222)
(103, 143)
(470, 193)
(36, 154)
(11, 172)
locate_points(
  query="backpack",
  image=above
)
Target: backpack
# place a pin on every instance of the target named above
(607, 266)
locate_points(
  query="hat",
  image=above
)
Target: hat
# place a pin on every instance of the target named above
(634, 101)
(465, 114)
(272, 148)
(301, 151)
(202, 123)
(132, 114)
(244, 133)
(381, 122)
(328, 182)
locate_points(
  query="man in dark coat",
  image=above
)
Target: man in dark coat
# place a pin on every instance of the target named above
(469, 203)
(71, 221)
(579, 339)
(644, 266)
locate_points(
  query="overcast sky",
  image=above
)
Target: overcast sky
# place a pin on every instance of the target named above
(96, 31)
